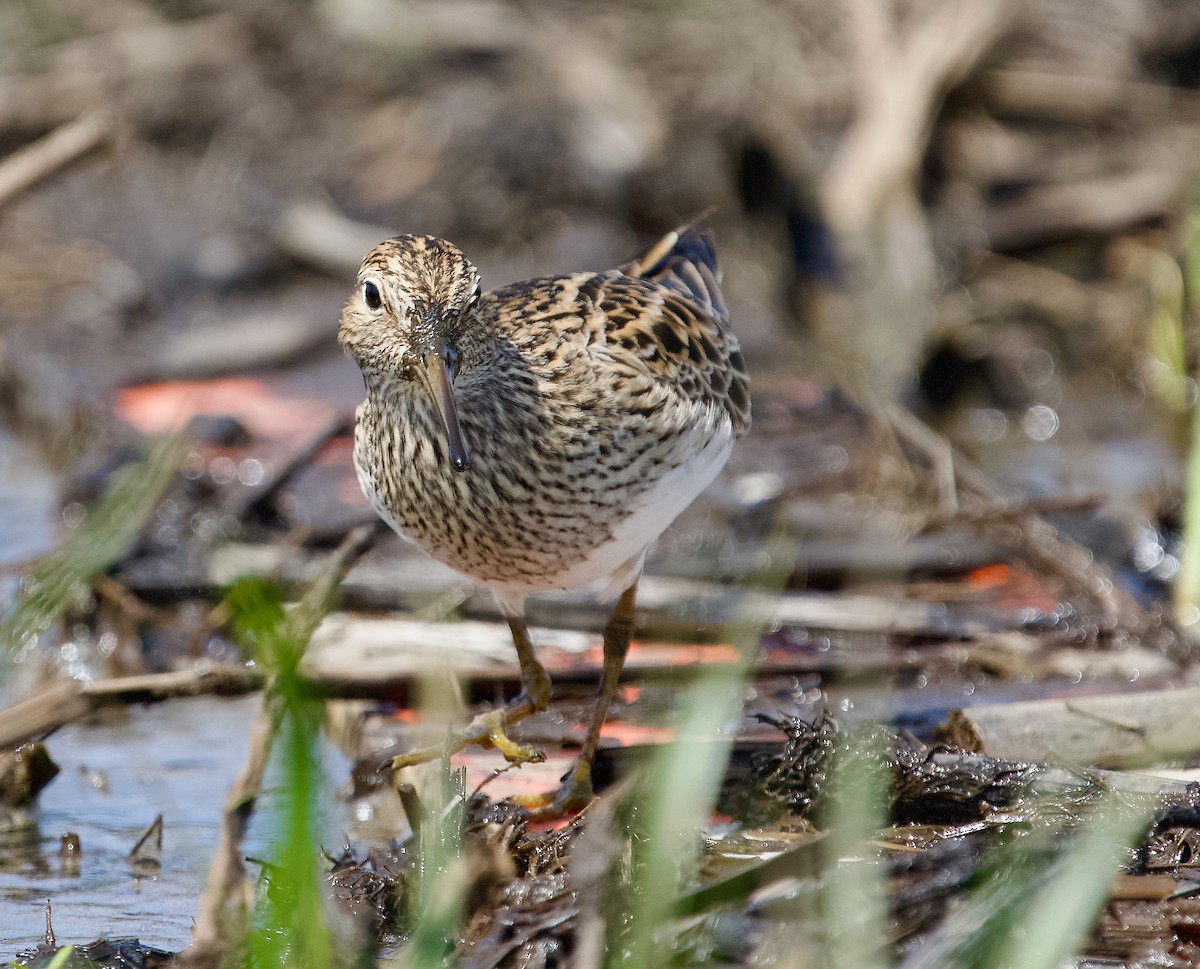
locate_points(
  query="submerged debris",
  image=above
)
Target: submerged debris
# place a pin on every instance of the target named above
(929, 784)
(23, 773)
(116, 953)
(373, 887)
(146, 855)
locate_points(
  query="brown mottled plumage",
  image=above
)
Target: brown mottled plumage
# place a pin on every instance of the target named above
(544, 434)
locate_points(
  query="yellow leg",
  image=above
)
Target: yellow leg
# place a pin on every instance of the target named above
(487, 729)
(576, 789)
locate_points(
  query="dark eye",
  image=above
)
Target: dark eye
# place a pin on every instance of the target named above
(371, 295)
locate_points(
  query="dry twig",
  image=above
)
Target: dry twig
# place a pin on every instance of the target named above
(23, 169)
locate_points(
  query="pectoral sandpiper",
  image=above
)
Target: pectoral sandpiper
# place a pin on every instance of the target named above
(542, 435)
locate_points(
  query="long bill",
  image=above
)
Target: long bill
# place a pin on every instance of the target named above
(436, 377)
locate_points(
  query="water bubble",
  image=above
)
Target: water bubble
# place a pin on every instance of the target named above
(1037, 367)
(1168, 568)
(222, 470)
(193, 465)
(833, 460)
(987, 425)
(251, 472)
(1148, 553)
(73, 514)
(1040, 422)
(106, 645)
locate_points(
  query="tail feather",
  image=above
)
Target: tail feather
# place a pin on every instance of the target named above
(684, 260)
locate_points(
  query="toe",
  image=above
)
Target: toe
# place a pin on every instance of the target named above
(575, 794)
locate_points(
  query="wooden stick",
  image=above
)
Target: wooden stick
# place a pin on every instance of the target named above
(900, 83)
(225, 907)
(228, 895)
(1040, 542)
(317, 235)
(43, 712)
(1094, 207)
(1117, 730)
(666, 606)
(255, 498)
(1061, 97)
(1048, 550)
(23, 169)
(40, 714)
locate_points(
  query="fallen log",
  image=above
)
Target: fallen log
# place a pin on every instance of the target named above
(1115, 730)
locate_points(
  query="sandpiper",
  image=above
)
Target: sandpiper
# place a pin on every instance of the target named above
(542, 435)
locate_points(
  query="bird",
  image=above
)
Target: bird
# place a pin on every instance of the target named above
(542, 435)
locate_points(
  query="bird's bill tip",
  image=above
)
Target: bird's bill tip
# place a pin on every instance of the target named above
(439, 385)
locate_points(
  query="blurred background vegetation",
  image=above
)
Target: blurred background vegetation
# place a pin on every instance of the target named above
(951, 200)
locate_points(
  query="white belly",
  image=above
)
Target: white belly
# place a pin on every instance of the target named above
(618, 562)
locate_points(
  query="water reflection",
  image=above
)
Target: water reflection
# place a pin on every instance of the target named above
(28, 508)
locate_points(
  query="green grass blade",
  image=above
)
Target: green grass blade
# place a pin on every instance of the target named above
(60, 579)
(687, 775)
(1066, 906)
(290, 928)
(854, 902)
(1036, 905)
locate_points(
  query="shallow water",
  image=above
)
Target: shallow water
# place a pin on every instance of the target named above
(28, 507)
(176, 759)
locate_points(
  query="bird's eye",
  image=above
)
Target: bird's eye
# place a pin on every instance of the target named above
(371, 295)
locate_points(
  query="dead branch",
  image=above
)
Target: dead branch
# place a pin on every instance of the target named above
(899, 84)
(43, 712)
(225, 907)
(1066, 97)
(1049, 551)
(253, 499)
(61, 148)
(666, 605)
(316, 234)
(1039, 542)
(1118, 730)
(40, 714)
(1103, 205)
(141, 64)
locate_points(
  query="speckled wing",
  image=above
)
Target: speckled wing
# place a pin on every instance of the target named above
(663, 315)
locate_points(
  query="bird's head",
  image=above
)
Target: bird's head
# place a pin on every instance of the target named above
(410, 318)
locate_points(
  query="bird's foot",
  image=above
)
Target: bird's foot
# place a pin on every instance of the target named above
(574, 794)
(486, 730)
